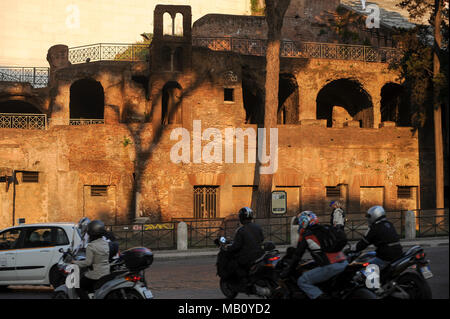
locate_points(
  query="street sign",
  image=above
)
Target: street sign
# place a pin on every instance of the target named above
(279, 202)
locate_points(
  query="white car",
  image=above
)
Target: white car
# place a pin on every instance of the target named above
(29, 253)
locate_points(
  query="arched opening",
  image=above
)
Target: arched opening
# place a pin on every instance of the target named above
(178, 59)
(253, 98)
(166, 58)
(167, 24)
(178, 25)
(171, 103)
(344, 100)
(18, 107)
(87, 100)
(394, 105)
(288, 97)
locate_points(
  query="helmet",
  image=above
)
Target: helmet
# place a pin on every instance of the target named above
(96, 229)
(246, 214)
(307, 218)
(82, 225)
(375, 213)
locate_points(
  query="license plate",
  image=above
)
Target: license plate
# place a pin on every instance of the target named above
(148, 294)
(426, 272)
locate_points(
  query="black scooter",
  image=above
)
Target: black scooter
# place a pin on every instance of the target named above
(404, 278)
(261, 279)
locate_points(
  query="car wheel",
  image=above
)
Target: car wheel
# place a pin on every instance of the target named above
(56, 278)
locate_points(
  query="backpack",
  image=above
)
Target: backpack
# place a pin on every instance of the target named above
(332, 239)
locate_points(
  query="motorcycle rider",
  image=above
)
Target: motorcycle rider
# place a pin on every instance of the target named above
(337, 215)
(97, 258)
(383, 235)
(329, 264)
(246, 246)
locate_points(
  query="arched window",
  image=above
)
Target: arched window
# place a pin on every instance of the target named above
(167, 24)
(343, 100)
(87, 100)
(178, 25)
(288, 97)
(171, 103)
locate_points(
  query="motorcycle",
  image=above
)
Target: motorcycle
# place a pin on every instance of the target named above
(403, 278)
(341, 286)
(260, 279)
(126, 280)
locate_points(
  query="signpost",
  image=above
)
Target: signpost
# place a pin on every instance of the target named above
(279, 203)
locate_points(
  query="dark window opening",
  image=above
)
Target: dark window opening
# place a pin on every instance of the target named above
(205, 202)
(87, 100)
(178, 59)
(20, 107)
(344, 100)
(404, 192)
(288, 97)
(394, 105)
(333, 191)
(99, 190)
(228, 95)
(166, 58)
(253, 97)
(30, 177)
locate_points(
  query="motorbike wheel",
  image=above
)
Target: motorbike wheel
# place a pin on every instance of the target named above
(362, 293)
(127, 294)
(60, 295)
(227, 289)
(415, 286)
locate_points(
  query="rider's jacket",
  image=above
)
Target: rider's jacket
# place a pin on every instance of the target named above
(383, 235)
(247, 243)
(309, 241)
(97, 259)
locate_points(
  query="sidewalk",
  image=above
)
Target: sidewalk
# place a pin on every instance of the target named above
(212, 252)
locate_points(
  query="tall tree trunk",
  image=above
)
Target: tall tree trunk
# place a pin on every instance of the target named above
(438, 144)
(275, 11)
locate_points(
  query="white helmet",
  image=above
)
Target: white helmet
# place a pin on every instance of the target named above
(375, 213)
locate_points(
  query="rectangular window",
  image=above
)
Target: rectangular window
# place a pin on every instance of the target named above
(99, 190)
(404, 192)
(30, 177)
(333, 191)
(228, 95)
(205, 202)
(3, 179)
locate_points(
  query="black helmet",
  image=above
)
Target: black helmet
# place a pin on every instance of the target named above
(246, 214)
(96, 229)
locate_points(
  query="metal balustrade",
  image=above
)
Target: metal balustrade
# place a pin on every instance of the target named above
(79, 122)
(109, 52)
(23, 121)
(37, 77)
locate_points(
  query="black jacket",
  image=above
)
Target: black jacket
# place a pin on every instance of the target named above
(247, 243)
(383, 235)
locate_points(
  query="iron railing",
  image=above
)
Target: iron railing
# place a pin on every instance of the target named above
(23, 121)
(155, 236)
(79, 122)
(108, 52)
(432, 222)
(37, 77)
(290, 49)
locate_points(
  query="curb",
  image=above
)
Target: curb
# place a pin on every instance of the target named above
(212, 252)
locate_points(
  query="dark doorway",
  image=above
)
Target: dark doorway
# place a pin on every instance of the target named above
(87, 100)
(288, 97)
(394, 105)
(348, 99)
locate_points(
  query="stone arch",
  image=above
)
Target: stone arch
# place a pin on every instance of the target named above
(87, 99)
(288, 99)
(347, 100)
(394, 104)
(171, 103)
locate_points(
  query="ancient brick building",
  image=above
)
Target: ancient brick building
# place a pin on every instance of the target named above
(343, 131)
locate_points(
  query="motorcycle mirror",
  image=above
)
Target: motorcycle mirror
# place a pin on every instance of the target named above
(61, 250)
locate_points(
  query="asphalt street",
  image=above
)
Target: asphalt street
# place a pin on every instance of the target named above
(195, 278)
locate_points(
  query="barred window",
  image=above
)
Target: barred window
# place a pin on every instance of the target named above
(228, 95)
(205, 201)
(99, 190)
(30, 177)
(333, 191)
(404, 192)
